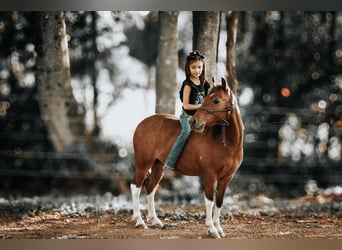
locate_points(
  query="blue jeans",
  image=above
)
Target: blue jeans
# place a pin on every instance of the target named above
(179, 143)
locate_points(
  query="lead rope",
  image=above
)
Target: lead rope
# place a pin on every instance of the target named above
(223, 133)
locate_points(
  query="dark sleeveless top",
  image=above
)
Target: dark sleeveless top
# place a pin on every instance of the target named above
(197, 94)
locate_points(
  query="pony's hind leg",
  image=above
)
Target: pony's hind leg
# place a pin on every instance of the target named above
(151, 187)
(136, 186)
(136, 210)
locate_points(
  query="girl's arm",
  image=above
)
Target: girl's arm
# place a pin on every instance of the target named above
(186, 99)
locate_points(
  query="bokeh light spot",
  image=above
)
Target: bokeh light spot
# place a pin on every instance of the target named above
(285, 92)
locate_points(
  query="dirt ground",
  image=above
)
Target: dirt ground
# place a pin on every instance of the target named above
(118, 225)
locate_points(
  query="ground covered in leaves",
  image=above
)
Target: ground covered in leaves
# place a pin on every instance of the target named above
(105, 216)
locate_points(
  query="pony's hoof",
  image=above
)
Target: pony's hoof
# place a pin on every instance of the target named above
(158, 226)
(213, 235)
(222, 234)
(141, 226)
(155, 223)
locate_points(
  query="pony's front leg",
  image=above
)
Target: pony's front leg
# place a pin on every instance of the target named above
(216, 219)
(136, 211)
(209, 219)
(152, 215)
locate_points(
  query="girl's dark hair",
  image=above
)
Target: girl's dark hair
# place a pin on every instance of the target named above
(195, 56)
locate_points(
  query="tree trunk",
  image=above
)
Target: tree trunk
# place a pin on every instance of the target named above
(167, 62)
(96, 120)
(53, 79)
(60, 110)
(232, 22)
(206, 25)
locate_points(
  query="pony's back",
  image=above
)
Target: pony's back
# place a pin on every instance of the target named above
(154, 137)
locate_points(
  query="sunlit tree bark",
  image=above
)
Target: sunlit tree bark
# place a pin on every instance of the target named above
(206, 26)
(53, 79)
(60, 111)
(167, 62)
(232, 22)
(96, 129)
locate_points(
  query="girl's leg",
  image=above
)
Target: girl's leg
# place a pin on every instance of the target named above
(179, 143)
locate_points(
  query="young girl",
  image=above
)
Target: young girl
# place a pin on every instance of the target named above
(193, 90)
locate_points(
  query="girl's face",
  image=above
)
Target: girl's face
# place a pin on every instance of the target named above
(196, 68)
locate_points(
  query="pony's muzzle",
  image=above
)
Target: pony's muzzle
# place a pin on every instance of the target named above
(196, 125)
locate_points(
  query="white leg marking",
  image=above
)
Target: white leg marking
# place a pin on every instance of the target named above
(136, 211)
(209, 211)
(216, 219)
(209, 219)
(152, 215)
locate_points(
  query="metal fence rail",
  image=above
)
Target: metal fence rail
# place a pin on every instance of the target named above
(262, 159)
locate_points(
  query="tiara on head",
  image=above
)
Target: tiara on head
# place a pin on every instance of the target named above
(195, 55)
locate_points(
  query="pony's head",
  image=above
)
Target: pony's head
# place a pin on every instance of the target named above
(216, 108)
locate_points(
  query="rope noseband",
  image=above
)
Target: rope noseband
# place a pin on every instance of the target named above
(224, 122)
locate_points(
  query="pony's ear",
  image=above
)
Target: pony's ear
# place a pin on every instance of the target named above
(214, 82)
(223, 82)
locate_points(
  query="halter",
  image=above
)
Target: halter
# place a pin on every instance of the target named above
(223, 122)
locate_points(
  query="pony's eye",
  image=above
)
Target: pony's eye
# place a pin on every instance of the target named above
(216, 101)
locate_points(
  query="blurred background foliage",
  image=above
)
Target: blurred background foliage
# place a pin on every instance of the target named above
(289, 69)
